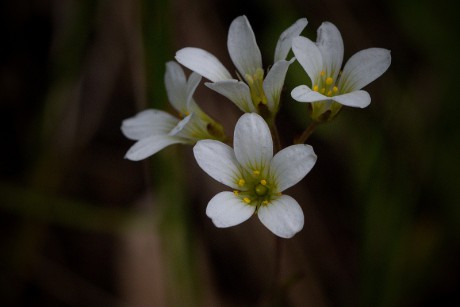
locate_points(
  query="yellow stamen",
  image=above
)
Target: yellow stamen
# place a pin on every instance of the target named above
(256, 172)
(315, 88)
(323, 90)
(322, 73)
(335, 89)
(265, 202)
(241, 182)
(263, 182)
(329, 93)
(182, 115)
(247, 200)
(329, 80)
(236, 192)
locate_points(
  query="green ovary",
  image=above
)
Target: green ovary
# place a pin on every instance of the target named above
(261, 190)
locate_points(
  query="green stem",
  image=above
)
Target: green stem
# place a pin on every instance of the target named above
(307, 132)
(277, 269)
(275, 135)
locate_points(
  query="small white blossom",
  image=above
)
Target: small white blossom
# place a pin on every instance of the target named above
(322, 62)
(257, 177)
(154, 129)
(253, 91)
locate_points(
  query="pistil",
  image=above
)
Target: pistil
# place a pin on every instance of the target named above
(255, 83)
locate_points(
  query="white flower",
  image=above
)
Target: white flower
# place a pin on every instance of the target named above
(154, 129)
(322, 62)
(257, 177)
(245, 54)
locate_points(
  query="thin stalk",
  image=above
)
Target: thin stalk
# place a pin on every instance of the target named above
(277, 268)
(275, 135)
(307, 132)
(274, 289)
(278, 242)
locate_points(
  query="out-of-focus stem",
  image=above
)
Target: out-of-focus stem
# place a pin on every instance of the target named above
(307, 132)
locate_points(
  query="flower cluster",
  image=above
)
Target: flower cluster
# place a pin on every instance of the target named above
(257, 172)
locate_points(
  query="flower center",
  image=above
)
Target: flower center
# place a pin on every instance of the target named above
(325, 85)
(255, 191)
(255, 83)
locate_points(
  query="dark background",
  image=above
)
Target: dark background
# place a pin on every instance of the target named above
(81, 226)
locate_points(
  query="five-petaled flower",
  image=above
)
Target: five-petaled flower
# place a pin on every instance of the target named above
(154, 129)
(256, 176)
(257, 93)
(330, 87)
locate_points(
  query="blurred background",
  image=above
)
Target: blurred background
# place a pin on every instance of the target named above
(81, 226)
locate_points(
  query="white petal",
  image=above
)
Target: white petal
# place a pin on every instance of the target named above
(291, 164)
(242, 46)
(180, 90)
(285, 41)
(330, 43)
(273, 83)
(176, 87)
(237, 91)
(364, 67)
(178, 130)
(283, 216)
(218, 160)
(203, 62)
(252, 142)
(308, 55)
(303, 93)
(226, 210)
(192, 84)
(357, 99)
(148, 122)
(149, 146)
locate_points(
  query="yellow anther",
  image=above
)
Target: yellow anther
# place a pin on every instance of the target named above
(279, 194)
(265, 202)
(263, 182)
(329, 80)
(335, 89)
(322, 73)
(329, 93)
(256, 172)
(236, 192)
(182, 115)
(247, 200)
(241, 182)
(323, 90)
(315, 88)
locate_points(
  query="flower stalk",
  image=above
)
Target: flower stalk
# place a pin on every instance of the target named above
(302, 139)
